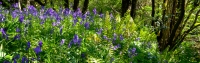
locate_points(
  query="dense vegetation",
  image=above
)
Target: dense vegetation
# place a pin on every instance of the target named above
(99, 31)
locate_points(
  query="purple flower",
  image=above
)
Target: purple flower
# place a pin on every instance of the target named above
(105, 37)
(100, 31)
(116, 47)
(37, 50)
(28, 45)
(67, 12)
(17, 37)
(0, 3)
(14, 61)
(87, 25)
(83, 55)
(42, 17)
(17, 30)
(6, 61)
(40, 43)
(32, 10)
(21, 18)
(2, 18)
(4, 33)
(111, 16)
(70, 44)
(132, 52)
(121, 37)
(15, 13)
(15, 5)
(114, 36)
(76, 38)
(101, 15)
(24, 60)
(17, 56)
(50, 12)
(95, 11)
(62, 42)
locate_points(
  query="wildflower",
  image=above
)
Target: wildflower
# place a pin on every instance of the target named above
(83, 55)
(17, 37)
(101, 15)
(4, 33)
(50, 12)
(95, 11)
(2, 18)
(15, 5)
(32, 10)
(17, 56)
(37, 50)
(28, 45)
(114, 36)
(105, 37)
(100, 31)
(6, 61)
(40, 43)
(67, 11)
(76, 41)
(17, 30)
(0, 3)
(21, 18)
(24, 60)
(15, 13)
(76, 38)
(87, 25)
(62, 42)
(121, 37)
(137, 39)
(70, 43)
(132, 52)
(116, 47)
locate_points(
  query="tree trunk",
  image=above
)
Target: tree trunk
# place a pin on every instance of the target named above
(86, 2)
(66, 4)
(133, 8)
(75, 7)
(124, 7)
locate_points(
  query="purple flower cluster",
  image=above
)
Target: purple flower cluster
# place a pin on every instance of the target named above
(132, 52)
(2, 18)
(37, 50)
(76, 41)
(4, 35)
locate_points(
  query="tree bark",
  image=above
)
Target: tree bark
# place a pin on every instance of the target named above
(66, 3)
(124, 7)
(76, 3)
(133, 8)
(86, 2)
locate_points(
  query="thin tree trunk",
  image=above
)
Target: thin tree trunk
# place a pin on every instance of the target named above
(124, 7)
(153, 13)
(133, 8)
(75, 7)
(66, 4)
(86, 2)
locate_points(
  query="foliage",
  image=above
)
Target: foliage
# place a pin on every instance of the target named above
(62, 36)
